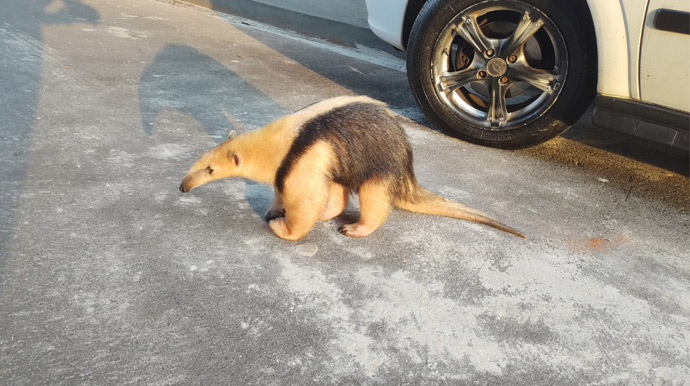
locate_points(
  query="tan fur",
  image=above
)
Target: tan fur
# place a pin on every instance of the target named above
(337, 201)
(374, 208)
(308, 193)
(262, 150)
(305, 195)
(258, 153)
(430, 203)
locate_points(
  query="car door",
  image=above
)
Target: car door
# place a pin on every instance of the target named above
(665, 54)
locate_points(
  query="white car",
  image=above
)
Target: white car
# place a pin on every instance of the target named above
(515, 73)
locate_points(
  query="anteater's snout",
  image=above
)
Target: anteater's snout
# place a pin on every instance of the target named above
(185, 184)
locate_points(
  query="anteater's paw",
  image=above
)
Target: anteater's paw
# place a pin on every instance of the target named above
(272, 214)
(278, 227)
(356, 230)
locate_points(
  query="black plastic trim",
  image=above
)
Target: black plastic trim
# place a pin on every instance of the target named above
(649, 122)
(672, 21)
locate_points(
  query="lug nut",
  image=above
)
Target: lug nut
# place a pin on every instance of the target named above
(512, 59)
(481, 74)
(503, 80)
(490, 52)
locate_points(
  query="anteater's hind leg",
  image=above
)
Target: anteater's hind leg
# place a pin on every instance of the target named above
(374, 207)
(337, 201)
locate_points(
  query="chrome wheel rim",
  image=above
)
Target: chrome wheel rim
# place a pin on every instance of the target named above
(499, 65)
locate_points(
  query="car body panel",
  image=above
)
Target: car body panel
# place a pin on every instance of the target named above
(386, 19)
(665, 60)
(618, 26)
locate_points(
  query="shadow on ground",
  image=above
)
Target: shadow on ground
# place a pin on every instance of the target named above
(182, 78)
(21, 73)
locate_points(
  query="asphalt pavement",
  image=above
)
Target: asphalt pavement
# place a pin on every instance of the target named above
(110, 276)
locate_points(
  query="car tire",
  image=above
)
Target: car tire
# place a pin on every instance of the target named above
(504, 73)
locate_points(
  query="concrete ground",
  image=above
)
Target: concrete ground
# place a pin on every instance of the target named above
(342, 21)
(110, 276)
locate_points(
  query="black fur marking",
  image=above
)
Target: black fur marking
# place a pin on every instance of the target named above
(368, 143)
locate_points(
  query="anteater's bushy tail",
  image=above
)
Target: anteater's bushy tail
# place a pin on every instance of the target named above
(421, 200)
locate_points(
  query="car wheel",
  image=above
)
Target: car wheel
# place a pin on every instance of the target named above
(504, 73)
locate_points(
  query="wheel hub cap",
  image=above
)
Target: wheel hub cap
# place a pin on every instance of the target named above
(496, 67)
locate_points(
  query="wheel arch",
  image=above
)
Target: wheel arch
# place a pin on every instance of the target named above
(413, 8)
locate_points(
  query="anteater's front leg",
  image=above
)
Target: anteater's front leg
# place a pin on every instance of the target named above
(277, 208)
(304, 198)
(304, 193)
(302, 211)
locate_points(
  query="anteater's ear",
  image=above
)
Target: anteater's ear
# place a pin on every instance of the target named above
(232, 134)
(234, 158)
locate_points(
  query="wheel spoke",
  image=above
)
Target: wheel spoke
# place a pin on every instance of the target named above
(469, 30)
(497, 114)
(451, 81)
(543, 80)
(525, 29)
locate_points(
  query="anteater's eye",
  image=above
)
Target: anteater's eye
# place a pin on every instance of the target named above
(209, 169)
